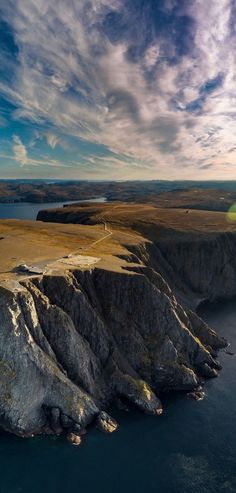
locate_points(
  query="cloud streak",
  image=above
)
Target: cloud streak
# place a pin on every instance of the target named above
(54, 163)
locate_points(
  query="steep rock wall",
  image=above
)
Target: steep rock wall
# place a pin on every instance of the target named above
(71, 344)
(195, 267)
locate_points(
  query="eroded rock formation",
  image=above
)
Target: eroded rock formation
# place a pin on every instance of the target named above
(72, 344)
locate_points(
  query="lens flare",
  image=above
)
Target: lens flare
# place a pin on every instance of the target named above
(231, 214)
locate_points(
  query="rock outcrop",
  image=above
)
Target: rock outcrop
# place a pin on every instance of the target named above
(106, 423)
(74, 343)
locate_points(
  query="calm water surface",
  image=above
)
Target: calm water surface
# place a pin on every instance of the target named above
(29, 211)
(190, 449)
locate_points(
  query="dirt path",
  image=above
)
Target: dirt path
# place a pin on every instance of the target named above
(109, 233)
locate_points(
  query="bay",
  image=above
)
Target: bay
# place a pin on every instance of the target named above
(29, 211)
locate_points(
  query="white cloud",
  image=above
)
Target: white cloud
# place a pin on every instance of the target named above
(53, 140)
(20, 151)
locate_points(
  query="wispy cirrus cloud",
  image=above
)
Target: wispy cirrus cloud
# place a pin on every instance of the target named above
(153, 82)
(53, 140)
(21, 156)
(20, 151)
(45, 161)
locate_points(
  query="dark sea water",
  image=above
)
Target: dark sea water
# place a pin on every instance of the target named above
(24, 210)
(191, 448)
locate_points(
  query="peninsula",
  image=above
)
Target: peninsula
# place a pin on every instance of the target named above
(98, 308)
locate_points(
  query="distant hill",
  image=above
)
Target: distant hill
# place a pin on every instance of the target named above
(188, 194)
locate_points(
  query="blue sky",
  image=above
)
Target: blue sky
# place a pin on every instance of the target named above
(118, 89)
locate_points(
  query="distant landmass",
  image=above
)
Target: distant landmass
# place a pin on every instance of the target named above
(210, 195)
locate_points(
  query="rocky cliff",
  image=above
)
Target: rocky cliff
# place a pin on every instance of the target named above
(197, 268)
(73, 343)
(78, 339)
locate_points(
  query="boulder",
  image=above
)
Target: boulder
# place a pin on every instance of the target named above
(74, 439)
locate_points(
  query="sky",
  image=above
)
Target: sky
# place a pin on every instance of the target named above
(118, 89)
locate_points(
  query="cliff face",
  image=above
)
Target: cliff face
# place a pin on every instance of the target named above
(71, 344)
(196, 268)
